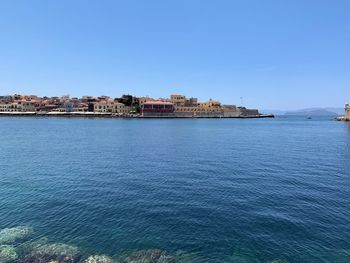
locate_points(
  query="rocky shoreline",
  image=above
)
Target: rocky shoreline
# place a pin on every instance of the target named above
(17, 246)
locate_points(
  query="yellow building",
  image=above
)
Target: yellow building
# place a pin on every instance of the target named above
(10, 107)
(181, 100)
(177, 99)
(28, 106)
(18, 106)
(110, 107)
(209, 106)
(183, 104)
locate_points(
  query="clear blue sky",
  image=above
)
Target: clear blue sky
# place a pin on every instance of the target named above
(275, 54)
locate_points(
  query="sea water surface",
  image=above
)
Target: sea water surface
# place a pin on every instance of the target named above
(218, 190)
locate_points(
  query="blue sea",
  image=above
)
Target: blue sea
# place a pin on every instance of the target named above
(196, 190)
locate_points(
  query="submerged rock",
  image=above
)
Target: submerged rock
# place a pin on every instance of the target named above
(7, 254)
(279, 261)
(54, 253)
(57, 249)
(184, 257)
(14, 234)
(99, 259)
(27, 247)
(149, 256)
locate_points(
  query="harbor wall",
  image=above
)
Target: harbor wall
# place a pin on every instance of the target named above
(183, 114)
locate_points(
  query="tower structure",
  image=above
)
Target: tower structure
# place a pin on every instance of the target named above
(347, 112)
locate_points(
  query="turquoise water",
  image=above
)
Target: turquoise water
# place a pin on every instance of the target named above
(215, 190)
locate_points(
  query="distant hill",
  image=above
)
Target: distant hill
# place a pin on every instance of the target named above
(316, 112)
(339, 111)
(274, 112)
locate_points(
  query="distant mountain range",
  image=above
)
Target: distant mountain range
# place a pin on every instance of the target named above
(308, 112)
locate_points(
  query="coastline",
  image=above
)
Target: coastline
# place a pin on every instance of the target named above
(111, 115)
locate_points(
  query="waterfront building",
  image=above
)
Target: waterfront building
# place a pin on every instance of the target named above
(101, 106)
(3, 106)
(121, 108)
(26, 106)
(157, 108)
(193, 108)
(347, 112)
(182, 101)
(178, 99)
(211, 104)
(199, 108)
(191, 102)
(89, 101)
(190, 107)
(19, 106)
(10, 107)
(183, 104)
(68, 106)
(81, 107)
(47, 107)
(110, 107)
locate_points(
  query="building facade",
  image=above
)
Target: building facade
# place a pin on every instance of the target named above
(110, 107)
(157, 108)
(190, 107)
(10, 107)
(181, 101)
(19, 106)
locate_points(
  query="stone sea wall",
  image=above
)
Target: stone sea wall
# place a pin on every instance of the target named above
(214, 114)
